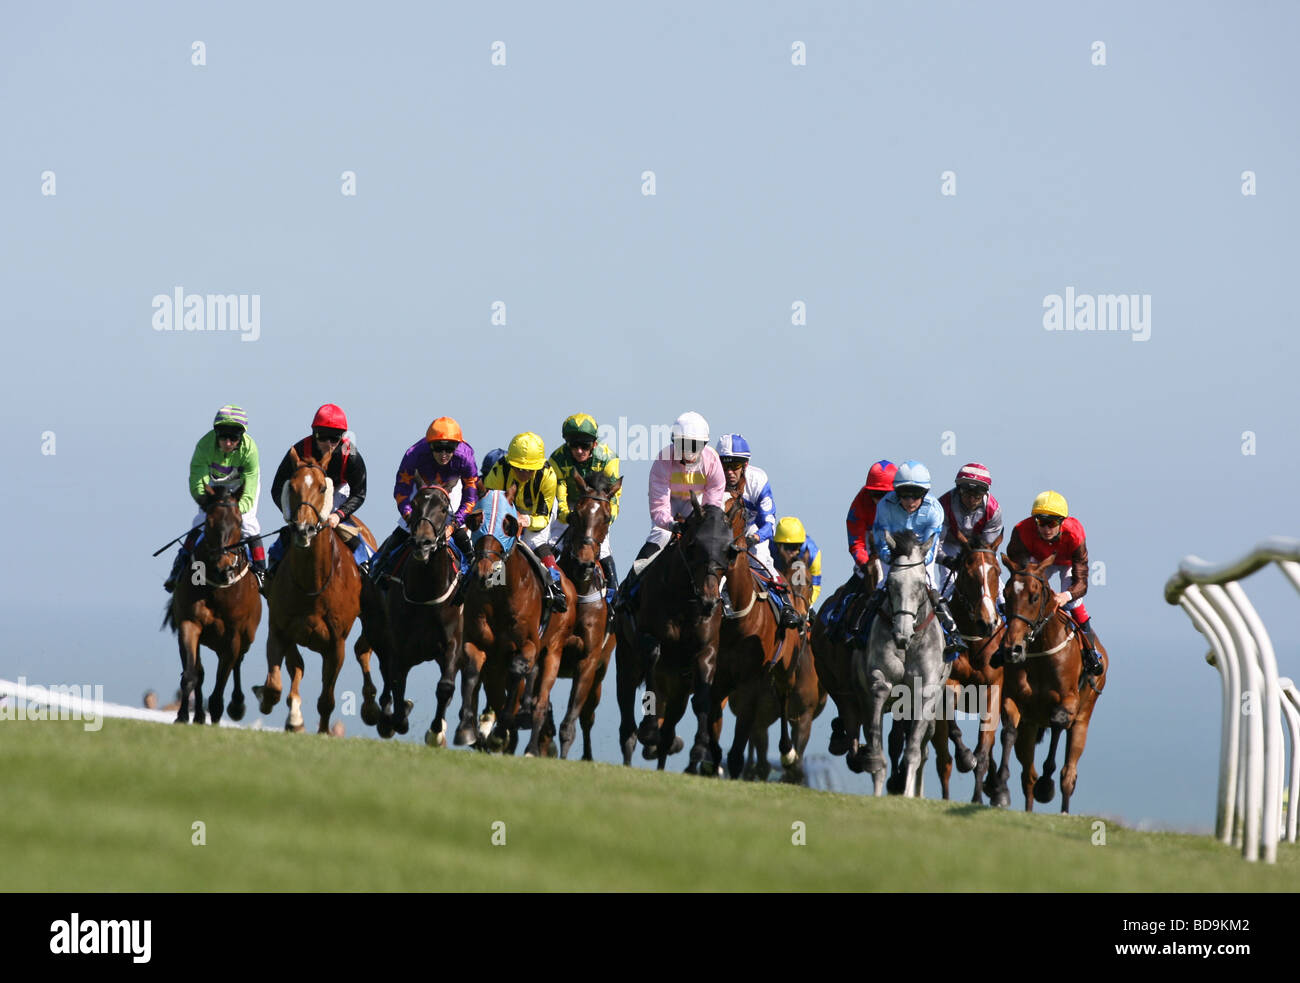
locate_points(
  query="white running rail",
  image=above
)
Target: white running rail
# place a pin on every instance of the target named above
(1251, 757)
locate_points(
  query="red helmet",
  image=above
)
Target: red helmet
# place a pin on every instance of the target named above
(974, 474)
(881, 476)
(330, 417)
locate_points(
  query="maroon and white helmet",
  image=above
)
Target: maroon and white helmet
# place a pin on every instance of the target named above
(974, 474)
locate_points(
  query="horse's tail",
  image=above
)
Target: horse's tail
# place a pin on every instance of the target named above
(168, 621)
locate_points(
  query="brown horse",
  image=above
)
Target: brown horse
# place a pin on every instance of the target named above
(751, 645)
(974, 685)
(804, 701)
(218, 606)
(314, 598)
(671, 643)
(420, 623)
(833, 661)
(503, 640)
(585, 655)
(1044, 677)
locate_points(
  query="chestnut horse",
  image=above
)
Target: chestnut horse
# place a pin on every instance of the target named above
(314, 598)
(419, 622)
(503, 641)
(1044, 677)
(585, 655)
(975, 610)
(672, 643)
(805, 700)
(218, 606)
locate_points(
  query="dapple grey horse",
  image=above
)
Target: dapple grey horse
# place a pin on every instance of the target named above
(902, 665)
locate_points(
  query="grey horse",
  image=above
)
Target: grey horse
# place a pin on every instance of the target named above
(902, 666)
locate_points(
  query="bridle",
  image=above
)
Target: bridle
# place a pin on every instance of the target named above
(592, 585)
(320, 521)
(967, 605)
(916, 615)
(439, 543)
(1036, 625)
(241, 564)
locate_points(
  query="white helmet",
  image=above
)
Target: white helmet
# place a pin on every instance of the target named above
(690, 434)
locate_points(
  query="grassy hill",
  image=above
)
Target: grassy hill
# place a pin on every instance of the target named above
(114, 811)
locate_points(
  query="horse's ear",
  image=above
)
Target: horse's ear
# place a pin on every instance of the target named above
(997, 542)
(1011, 565)
(1042, 565)
(473, 521)
(294, 459)
(578, 482)
(512, 491)
(509, 525)
(323, 463)
(695, 503)
(962, 538)
(616, 486)
(925, 547)
(889, 539)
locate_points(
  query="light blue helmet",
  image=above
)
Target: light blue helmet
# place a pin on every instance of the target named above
(733, 445)
(912, 473)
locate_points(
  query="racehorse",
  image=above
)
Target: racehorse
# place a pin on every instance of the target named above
(218, 606)
(975, 610)
(833, 660)
(903, 661)
(420, 622)
(805, 700)
(314, 598)
(585, 655)
(671, 645)
(1044, 678)
(752, 647)
(502, 638)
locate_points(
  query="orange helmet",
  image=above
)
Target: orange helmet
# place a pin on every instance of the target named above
(443, 428)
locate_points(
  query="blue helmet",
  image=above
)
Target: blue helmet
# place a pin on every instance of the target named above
(733, 445)
(490, 459)
(912, 473)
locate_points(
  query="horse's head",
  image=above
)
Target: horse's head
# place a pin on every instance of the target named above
(307, 496)
(496, 510)
(733, 510)
(975, 588)
(589, 518)
(906, 584)
(707, 552)
(1030, 602)
(221, 530)
(428, 520)
(797, 576)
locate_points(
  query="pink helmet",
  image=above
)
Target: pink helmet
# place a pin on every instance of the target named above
(974, 474)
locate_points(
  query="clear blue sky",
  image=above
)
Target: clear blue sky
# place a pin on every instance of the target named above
(775, 184)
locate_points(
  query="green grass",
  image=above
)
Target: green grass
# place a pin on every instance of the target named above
(113, 811)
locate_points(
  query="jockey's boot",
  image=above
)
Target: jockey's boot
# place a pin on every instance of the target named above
(273, 557)
(461, 538)
(258, 560)
(182, 560)
(611, 579)
(554, 588)
(866, 614)
(789, 616)
(384, 555)
(952, 640)
(1091, 661)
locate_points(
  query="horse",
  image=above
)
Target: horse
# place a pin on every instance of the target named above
(975, 610)
(314, 598)
(420, 622)
(1047, 686)
(752, 647)
(671, 644)
(903, 662)
(804, 701)
(833, 662)
(218, 606)
(585, 655)
(502, 638)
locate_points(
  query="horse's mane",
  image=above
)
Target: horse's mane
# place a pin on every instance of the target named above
(600, 482)
(905, 542)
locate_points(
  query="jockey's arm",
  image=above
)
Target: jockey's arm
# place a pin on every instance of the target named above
(282, 474)
(356, 481)
(1079, 572)
(661, 506)
(251, 476)
(611, 469)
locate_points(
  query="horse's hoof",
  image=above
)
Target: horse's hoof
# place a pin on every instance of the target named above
(465, 736)
(385, 727)
(236, 711)
(648, 732)
(649, 751)
(1044, 789)
(291, 728)
(790, 758)
(678, 744)
(266, 698)
(370, 713)
(402, 724)
(552, 751)
(736, 764)
(854, 761)
(894, 784)
(965, 761)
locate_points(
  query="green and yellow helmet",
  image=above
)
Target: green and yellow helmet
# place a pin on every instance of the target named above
(580, 425)
(231, 415)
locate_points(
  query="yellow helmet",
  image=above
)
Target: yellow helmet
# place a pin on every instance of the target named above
(526, 452)
(1051, 503)
(790, 530)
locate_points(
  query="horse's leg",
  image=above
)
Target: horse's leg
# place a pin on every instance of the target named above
(626, 677)
(942, 759)
(369, 708)
(588, 719)
(1026, 739)
(1076, 737)
(550, 671)
(436, 736)
(199, 711)
(187, 638)
(988, 734)
(648, 732)
(1045, 788)
(268, 694)
(293, 662)
(236, 709)
(583, 681)
(743, 705)
(874, 757)
(964, 758)
(225, 662)
(998, 787)
(331, 665)
(471, 666)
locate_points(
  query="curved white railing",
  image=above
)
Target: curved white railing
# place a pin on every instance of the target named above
(1250, 770)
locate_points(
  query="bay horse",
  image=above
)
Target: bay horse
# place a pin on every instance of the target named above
(752, 647)
(315, 596)
(833, 661)
(804, 700)
(502, 639)
(218, 605)
(585, 654)
(1044, 677)
(671, 644)
(975, 610)
(419, 622)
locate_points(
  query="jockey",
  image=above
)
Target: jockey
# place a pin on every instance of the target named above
(442, 458)
(1049, 531)
(346, 470)
(226, 454)
(581, 453)
(526, 465)
(862, 513)
(793, 543)
(910, 506)
(969, 509)
(751, 484)
(489, 462)
(688, 464)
